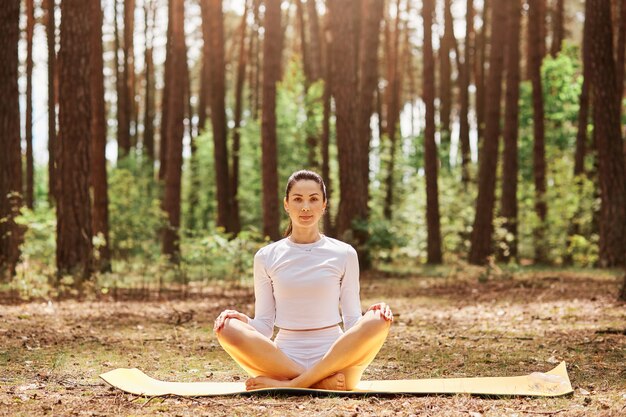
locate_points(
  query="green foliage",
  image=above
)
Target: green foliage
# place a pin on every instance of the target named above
(135, 215)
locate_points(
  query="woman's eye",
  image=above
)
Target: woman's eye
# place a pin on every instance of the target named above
(298, 199)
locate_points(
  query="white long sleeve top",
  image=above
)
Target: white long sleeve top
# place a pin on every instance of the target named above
(303, 286)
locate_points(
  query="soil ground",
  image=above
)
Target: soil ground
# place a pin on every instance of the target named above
(447, 325)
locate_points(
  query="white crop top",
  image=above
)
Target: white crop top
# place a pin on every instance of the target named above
(302, 286)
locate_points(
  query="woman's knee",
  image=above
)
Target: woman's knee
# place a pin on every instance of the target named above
(230, 332)
(376, 322)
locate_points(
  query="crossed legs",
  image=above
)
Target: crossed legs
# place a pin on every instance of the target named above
(340, 368)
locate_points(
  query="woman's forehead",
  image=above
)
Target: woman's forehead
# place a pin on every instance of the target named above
(306, 187)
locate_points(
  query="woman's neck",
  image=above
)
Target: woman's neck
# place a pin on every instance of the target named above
(305, 235)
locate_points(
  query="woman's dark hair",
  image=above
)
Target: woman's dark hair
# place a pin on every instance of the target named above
(300, 176)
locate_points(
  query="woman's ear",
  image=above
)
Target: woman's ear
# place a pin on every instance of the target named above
(285, 204)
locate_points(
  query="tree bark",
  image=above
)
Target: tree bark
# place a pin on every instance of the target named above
(511, 124)
(445, 82)
(239, 84)
(271, 73)
(621, 50)
(218, 116)
(30, 166)
(74, 219)
(482, 42)
(52, 125)
(165, 97)
(123, 117)
(558, 28)
(175, 129)
(606, 116)
(481, 241)
(430, 147)
(535, 58)
(128, 76)
(392, 96)
(98, 136)
(465, 79)
(315, 51)
(10, 157)
(325, 141)
(149, 109)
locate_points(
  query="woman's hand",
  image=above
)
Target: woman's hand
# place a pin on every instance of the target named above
(228, 314)
(384, 309)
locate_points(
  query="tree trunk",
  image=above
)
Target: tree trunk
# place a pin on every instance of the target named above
(52, 126)
(315, 51)
(621, 50)
(176, 60)
(352, 206)
(464, 81)
(508, 204)
(98, 136)
(535, 58)
(239, 84)
(30, 166)
(392, 96)
(271, 73)
(149, 110)
(445, 82)
(165, 97)
(205, 77)
(482, 42)
(325, 142)
(123, 117)
(558, 29)
(218, 116)
(430, 147)
(481, 243)
(128, 76)
(606, 117)
(10, 157)
(371, 15)
(74, 222)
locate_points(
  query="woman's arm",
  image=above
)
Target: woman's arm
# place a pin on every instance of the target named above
(349, 299)
(264, 304)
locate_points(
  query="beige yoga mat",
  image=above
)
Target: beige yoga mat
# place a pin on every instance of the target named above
(550, 384)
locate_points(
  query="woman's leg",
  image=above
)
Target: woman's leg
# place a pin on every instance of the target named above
(343, 365)
(255, 353)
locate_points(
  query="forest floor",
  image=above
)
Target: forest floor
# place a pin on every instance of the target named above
(448, 324)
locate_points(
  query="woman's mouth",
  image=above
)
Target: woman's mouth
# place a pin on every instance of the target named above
(306, 217)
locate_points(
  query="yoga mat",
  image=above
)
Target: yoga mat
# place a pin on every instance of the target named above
(550, 384)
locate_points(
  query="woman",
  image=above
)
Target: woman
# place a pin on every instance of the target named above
(300, 283)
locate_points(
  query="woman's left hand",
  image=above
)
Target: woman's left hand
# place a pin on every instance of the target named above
(384, 309)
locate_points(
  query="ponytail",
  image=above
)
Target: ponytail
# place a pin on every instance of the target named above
(289, 229)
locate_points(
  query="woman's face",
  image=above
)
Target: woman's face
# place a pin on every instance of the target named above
(305, 204)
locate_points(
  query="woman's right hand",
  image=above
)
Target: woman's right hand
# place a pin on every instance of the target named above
(228, 314)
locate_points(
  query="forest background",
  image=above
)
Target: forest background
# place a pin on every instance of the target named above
(171, 131)
(473, 152)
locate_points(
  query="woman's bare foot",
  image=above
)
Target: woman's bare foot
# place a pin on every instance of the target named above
(336, 382)
(265, 382)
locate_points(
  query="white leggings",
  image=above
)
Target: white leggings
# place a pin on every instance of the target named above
(307, 347)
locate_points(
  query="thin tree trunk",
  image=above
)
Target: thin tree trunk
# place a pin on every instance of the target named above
(445, 82)
(430, 147)
(315, 52)
(123, 133)
(30, 168)
(535, 44)
(508, 205)
(128, 76)
(606, 116)
(465, 78)
(239, 84)
(74, 222)
(10, 157)
(481, 241)
(205, 75)
(558, 29)
(52, 126)
(175, 104)
(325, 142)
(165, 98)
(150, 110)
(98, 136)
(393, 110)
(218, 116)
(271, 73)
(482, 42)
